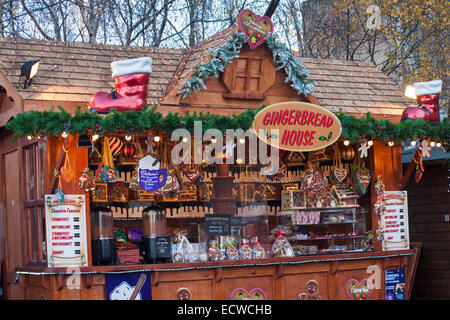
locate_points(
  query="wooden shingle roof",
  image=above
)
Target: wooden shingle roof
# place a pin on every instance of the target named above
(355, 87)
(75, 71)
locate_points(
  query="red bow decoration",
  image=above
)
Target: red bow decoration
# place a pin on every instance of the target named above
(280, 234)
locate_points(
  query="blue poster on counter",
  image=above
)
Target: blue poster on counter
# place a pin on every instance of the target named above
(128, 286)
(395, 284)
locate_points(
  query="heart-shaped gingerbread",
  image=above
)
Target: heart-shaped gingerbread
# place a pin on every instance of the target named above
(255, 27)
(359, 290)
(339, 175)
(254, 294)
(363, 177)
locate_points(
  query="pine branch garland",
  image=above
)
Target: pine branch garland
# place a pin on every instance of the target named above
(51, 122)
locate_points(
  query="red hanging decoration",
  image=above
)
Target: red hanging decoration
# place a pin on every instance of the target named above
(128, 151)
(347, 153)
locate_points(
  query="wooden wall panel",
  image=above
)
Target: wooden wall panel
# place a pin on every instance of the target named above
(429, 202)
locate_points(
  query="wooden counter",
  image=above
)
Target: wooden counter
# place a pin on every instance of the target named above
(274, 278)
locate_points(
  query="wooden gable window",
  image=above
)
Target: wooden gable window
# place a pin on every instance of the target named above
(249, 76)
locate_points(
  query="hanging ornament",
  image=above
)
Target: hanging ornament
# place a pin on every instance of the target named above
(347, 153)
(425, 148)
(128, 151)
(172, 184)
(364, 148)
(362, 178)
(150, 143)
(419, 169)
(115, 146)
(379, 189)
(86, 181)
(66, 170)
(339, 173)
(192, 173)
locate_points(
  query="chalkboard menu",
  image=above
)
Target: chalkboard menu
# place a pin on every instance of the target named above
(218, 224)
(163, 246)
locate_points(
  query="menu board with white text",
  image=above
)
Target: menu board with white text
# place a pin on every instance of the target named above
(394, 221)
(66, 230)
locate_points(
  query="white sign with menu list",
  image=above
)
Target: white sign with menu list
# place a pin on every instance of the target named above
(66, 230)
(394, 220)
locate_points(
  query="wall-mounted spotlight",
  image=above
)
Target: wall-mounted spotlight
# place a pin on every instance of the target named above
(28, 70)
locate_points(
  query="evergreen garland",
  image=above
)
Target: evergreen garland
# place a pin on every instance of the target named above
(51, 122)
(220, 57)
(296, 74)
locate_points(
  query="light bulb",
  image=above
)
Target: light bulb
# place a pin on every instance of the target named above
(95, 137)
(391, 143)
(432, 144)
(64, 134)
(239, 161)
(438, 144)
(370, 142)
(30, 137)
(185, 139)
(413, 142)
(213, 140)
(128, 137)
(410, 92)
(346, 142)
(241, 140)
(157, 138)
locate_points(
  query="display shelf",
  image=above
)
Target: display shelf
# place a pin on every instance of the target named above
(164, 204)
(325, 223)
(324, 209)
(325, 238)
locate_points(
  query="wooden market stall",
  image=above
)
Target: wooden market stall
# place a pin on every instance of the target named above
(350, 257)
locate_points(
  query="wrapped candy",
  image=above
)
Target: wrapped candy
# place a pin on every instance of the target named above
(232, 252)
(214, 251)
(258, 251)
(281, 247)
(245, 251)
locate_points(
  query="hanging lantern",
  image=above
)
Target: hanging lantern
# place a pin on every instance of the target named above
(347, 153)
(128, 151)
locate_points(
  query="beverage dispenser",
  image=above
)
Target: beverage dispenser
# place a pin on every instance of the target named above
(156, 243)
(102, 231)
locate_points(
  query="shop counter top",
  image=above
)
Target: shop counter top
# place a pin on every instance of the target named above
(41, 270)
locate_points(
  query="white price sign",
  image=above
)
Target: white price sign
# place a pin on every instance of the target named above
(394, 220)
(66, 230)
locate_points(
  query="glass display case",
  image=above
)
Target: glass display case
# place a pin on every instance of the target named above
(236, 212)
(323, 230)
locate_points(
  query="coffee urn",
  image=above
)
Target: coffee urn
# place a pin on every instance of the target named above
(156, 243)
(103, 242)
